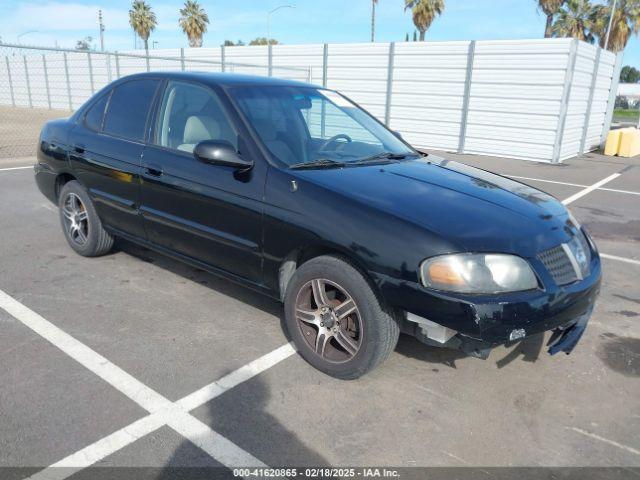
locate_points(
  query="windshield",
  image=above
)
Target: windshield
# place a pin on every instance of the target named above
(301, 125)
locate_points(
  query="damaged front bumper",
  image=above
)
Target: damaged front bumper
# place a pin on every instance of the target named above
(564, 312)
(563, 338)
(476, 323)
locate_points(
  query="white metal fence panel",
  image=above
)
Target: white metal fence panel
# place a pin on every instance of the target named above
(515, 98)
(249, 60)
(286, 57)
(360, 72)
(427, 93)
(578, 100)
(199, 59)
(543, 100)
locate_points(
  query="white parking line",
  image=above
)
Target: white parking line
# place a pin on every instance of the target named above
(605, 440)
(101, 449)
(250, 370)
(196, 432)
(620, 259)
(604, 189)
(8, 169)
(144, 396)
(163, 411)
(547, 181)
(589, 189)
(582, 193)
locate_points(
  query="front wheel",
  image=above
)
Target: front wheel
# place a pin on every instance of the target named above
(80, 223)
(336, 320)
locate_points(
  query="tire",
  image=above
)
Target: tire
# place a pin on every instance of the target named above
(80, 223)
(360, 332)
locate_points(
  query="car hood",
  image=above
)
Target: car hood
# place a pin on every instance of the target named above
(473, 209)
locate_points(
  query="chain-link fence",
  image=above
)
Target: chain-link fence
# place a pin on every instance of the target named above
(41, 83)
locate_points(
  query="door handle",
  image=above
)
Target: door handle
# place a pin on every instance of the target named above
(153, 170)
(78, 148)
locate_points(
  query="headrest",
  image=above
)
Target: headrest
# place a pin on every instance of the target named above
(199, 128)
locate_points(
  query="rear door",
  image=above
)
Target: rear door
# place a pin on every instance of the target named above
(106, 150)
(206, 212)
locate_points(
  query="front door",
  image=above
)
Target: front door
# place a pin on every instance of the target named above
(206, 212)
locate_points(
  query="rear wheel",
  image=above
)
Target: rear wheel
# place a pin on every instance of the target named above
(336, 320)
(80, 223)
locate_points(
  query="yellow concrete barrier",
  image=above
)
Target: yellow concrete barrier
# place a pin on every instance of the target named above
(629, 143)
(612, 144)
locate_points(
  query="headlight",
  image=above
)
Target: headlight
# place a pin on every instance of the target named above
(575, 222)
(478, 273)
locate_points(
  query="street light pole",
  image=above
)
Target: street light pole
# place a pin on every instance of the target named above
(101, 30)
(613, 12)
(269, 20)
(26, 33)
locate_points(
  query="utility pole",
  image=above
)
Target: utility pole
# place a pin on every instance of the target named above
(373, 20)
(613, 12)
(101, 30)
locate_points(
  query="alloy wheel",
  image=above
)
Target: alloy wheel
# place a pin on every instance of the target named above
(75, 219)
(329, 320)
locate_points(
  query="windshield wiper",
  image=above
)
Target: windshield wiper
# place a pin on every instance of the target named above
(383, 157)
(319, 163)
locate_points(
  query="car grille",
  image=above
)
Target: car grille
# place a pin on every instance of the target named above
(560, 265)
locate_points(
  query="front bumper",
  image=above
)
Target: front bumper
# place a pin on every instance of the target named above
(485, 321)
(565, 340)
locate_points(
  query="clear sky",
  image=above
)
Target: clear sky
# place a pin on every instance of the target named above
(62, 22)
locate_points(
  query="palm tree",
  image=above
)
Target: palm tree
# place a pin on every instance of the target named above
(193, 20)
(142, 20)
(549, 8)
(424, 13)
(575, 19)
(373, 20)
(626, 22)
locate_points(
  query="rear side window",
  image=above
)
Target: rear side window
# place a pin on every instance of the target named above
(95, 114)
(128, 109)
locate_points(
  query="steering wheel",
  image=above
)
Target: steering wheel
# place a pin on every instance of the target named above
(332, 140)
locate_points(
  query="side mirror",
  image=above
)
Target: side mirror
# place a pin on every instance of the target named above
(220, 152)
(397, 134)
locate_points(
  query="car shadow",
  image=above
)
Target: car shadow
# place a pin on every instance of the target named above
(412, 348)
(220, 285)
(241, 416)
(529, 348)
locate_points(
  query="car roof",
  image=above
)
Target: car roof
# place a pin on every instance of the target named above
(224, 79)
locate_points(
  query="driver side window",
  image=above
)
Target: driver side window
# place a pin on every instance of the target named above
(190, 114)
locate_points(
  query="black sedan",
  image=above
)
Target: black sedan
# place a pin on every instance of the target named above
(295, 191)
